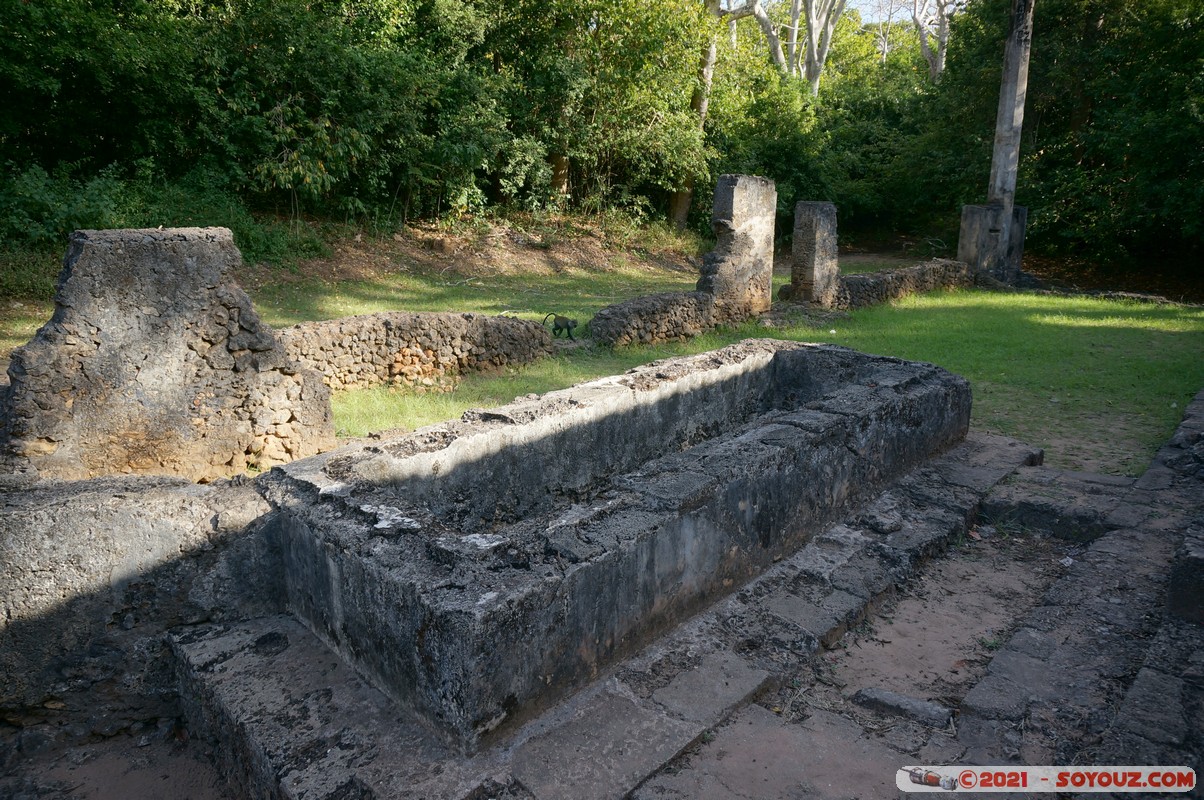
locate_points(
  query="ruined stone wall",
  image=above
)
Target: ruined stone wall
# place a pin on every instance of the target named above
(736, 278)
(739, 271)
(411, 348)
(815, 265)
(665, 317)
(155, 362)
(875, 288)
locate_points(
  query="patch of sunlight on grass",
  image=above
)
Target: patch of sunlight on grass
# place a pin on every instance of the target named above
(1068, 374)
(1096, 396)
(19, 321)
(575, 293)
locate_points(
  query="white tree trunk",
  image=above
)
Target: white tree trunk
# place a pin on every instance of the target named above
(931, 18)
(822, 16)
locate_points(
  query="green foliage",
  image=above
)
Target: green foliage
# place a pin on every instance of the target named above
(38, 210)
(382, 111)
(1113, 150)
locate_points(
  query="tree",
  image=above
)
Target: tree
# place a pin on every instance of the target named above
(931, 18)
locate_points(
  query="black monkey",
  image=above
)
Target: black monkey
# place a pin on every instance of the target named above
(561, 324)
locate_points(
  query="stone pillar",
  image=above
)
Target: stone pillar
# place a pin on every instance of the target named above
(814, 267)
(1001, 259)
(739, 271)
(156, 363)
(982, 230)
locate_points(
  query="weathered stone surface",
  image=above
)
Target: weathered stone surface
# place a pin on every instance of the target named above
(95, 571)
(1185, 592)
(978, 240)
(1153, 708)
(708, 692)
(624, 742)
(815, 268)
(925, 711)
(736, 277)
(292, 721)
(875, 288)
(437, 562)
(665, 317)
(155, 362)
(418, 350)
(760, 755)
(739, 271)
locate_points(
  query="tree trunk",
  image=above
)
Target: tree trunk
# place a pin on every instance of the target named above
(560, 173)
(932, 25)
(681, 200)
(822, 16)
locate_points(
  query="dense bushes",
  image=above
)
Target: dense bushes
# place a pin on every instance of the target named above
(193, 111)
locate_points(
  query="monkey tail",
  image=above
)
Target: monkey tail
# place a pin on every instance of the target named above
(545, 319)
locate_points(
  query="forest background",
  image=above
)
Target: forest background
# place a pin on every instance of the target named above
(260, 114)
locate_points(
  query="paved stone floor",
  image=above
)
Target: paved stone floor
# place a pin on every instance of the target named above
(1031, 604)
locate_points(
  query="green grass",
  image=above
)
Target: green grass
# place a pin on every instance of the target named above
(577, 293)
(1100, 384)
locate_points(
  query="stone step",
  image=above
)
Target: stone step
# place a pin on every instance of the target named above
(294, 721)
(1054, 688)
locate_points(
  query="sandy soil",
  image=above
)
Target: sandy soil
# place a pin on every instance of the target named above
(933, 640)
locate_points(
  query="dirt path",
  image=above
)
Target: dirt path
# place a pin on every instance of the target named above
(931, 642)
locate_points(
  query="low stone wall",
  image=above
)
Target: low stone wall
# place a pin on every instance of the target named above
(411, 348)
(474, 584)
(666, 317)
(875, 288)
(95, 572)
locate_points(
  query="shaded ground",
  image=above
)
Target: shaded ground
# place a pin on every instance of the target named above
(932, 640)
(1174, 282)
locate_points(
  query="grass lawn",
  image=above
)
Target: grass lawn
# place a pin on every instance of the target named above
(1100, 384)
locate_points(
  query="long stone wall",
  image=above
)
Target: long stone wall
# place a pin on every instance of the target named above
(411, 348)
(665, 317)
(875, 288)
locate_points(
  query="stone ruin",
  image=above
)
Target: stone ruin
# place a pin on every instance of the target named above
(155, 362)
(736, 280)
(471, 570)
(475, 573)
(814, 265)
(420, 350)
(738, 273)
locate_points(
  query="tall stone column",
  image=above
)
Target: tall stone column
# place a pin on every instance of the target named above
(814, 268)
(992, 236)
(739, 271)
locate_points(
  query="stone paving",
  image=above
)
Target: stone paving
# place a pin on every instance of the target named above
(1106, 669)
(1098, 672)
